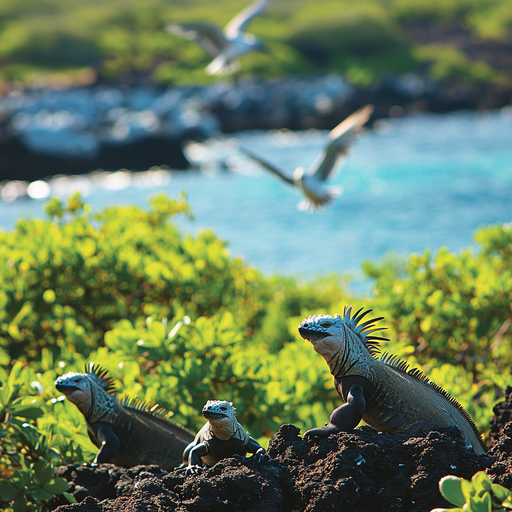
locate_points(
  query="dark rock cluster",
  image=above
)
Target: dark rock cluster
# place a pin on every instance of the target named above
(44, 132)
(361, 471)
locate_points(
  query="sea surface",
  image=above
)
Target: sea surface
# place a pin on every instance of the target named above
(410, 183)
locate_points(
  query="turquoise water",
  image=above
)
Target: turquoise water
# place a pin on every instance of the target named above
(410, 183)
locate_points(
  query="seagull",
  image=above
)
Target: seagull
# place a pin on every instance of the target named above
(225, 46)
(311, 181)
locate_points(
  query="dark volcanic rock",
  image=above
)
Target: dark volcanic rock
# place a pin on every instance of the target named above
(502, 415)
(360, 471)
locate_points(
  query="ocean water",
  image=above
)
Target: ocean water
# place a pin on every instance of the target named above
(409, 184)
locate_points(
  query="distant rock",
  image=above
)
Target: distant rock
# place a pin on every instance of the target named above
(44, 132)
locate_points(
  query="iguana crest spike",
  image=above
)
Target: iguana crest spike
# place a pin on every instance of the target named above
(146, 407)
(365, 329)
(101, 377)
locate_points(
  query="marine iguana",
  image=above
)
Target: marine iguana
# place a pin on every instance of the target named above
(383, 392)
(127, 432)
(220, 437)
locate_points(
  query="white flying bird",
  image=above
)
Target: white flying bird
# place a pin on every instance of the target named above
(326, 164)
(225, 46)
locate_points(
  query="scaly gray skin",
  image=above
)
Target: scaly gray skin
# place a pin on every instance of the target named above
(385, 393)
(127, 432)
(220, 437)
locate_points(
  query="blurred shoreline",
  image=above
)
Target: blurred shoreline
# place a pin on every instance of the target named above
(76, 130)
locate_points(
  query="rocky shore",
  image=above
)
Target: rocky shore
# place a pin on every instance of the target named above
(361, 471)
(44, 132)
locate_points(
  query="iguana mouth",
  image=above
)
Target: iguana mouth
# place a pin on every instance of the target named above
(214, 415)
(66, 388)
(312, 334)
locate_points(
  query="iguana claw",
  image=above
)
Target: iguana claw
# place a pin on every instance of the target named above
(315, 433)
(190, 470)
(259, 457)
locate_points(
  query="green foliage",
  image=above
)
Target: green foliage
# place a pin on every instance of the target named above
(362, 39)
(454, 310)
(177, 321)
(448, 62)
(64, 283)
(361, 44)
(27, 455)
(477, 495)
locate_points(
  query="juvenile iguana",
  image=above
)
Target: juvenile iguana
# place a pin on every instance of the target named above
(385, 393)
(220, 437)
(127, 432)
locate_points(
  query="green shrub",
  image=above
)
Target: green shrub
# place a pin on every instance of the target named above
(27, 455)
(177, 321)
(363, 39)
(477, 495)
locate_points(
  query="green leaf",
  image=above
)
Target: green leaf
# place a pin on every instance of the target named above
(467, 489)
(39, 493)
(25, 411)
(481, 482)
(20, 504)
(481, 504)
(451, 489)
(7, 491)
(6, 394)
(57, 485)
(500, 492)
(69, 497)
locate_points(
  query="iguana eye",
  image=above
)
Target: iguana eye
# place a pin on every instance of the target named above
(223, 408)
(325, 322)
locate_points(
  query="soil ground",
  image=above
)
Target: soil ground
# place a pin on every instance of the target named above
(359, 471)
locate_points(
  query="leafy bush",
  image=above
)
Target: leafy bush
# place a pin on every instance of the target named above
(177, 321)
(362, 39)
(454, 311)
(27, 455)
(477, 495)
(448, 62)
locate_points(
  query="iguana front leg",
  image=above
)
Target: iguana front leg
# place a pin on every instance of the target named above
(194, 453)
(257, 450)
(343, 418)
(109, 443)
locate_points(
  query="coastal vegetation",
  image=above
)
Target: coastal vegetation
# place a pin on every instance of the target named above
(177, 320)
(362, 40)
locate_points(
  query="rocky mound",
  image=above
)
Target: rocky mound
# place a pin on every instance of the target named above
(360, 471)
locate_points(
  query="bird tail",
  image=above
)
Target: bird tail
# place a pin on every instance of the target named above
(307, 204)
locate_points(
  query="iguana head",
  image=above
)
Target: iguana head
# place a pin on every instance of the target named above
(336, 337)
(90, 392)
(222, 418)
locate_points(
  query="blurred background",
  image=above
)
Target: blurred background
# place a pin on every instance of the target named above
(98, 97)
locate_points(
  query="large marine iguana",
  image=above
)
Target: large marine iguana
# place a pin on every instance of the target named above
(383, 392)
(127, 432)
(220, 437)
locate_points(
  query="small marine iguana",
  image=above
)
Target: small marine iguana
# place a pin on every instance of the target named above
(383, 392)
(127, 432)
(220, 437)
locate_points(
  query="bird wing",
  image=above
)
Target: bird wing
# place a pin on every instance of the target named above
(338, 144)
(208, 36)
(243, 18)
(278, 172)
